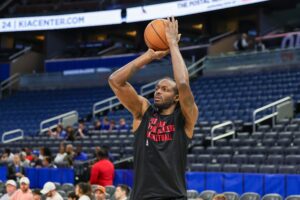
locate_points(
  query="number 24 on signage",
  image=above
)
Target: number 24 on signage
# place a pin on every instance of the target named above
(6, 25)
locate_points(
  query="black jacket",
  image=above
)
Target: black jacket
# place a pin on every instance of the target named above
(12, 170)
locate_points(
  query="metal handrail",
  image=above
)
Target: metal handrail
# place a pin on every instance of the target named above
(9, 82)
(59, 118)
(10, 133)
(194, 66)
(108, 49)
(5, 82)
(123, 160)
(146, 86)
(5, 4)
(110, 106)
(214, 128)
(272, 115)
(220, 36)
(192, 69)
(19, 53)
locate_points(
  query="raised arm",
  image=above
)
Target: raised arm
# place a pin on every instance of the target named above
(127, 95)
(181, 76)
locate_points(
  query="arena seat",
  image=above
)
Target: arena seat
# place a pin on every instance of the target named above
(250, 196)
(231, 195)
(272, 197)
(207, 194)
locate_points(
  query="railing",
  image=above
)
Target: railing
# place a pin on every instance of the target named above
(144, 90)
(5, 134)
(109, 101)
(272, 115)
(19, 53)
(58, 118)
(108, 49)
(5, 4)
(218, 126)
(8, 83)
(123, 160)
(196, 67)
(218, 37)
(273, 57)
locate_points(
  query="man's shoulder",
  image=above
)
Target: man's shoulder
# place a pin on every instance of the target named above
(4, 197)
(56, 197)
(16, 193)
(104, 161)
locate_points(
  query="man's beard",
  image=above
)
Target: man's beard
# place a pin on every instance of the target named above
(25, 190)
(164, 105)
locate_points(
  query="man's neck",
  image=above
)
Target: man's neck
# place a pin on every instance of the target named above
(167, 111)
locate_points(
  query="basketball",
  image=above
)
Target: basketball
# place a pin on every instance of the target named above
(155, 35)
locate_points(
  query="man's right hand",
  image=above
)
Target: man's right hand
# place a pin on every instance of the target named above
(157, 55)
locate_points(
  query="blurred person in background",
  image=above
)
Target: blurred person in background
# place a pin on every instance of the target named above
(99, 193)
(70, 133)
(47, 163)
(60, 156)
(69, 158)
(11, 187)
(36, 162)
(44, 152)
(105, 124)
(58, 132)
(79, 155)
(219, 197)
(4, 157)
(37, 195)
(49, 190)
(259, 45)
(122, 192)
(123, 125)
(97, 125)
(24, 161)
(15, 170)
(24, 193)
(83, 191)
(81, 131)
(72, 196)
(9, 155)
(112, 125)
(28, 154)
(102, 172)
(242, 43)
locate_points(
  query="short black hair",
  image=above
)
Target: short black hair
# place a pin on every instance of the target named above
(48, 159)
(102, 153)
(124, 188)
(72, 195)
(7, 150)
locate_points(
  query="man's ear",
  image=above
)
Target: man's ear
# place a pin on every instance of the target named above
(176, 98)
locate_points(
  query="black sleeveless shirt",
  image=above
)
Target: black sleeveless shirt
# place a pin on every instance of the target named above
(160, 150)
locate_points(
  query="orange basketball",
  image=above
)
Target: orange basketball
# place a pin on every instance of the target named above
(155, 35)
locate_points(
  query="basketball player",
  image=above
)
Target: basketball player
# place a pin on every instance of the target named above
(163, 130)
